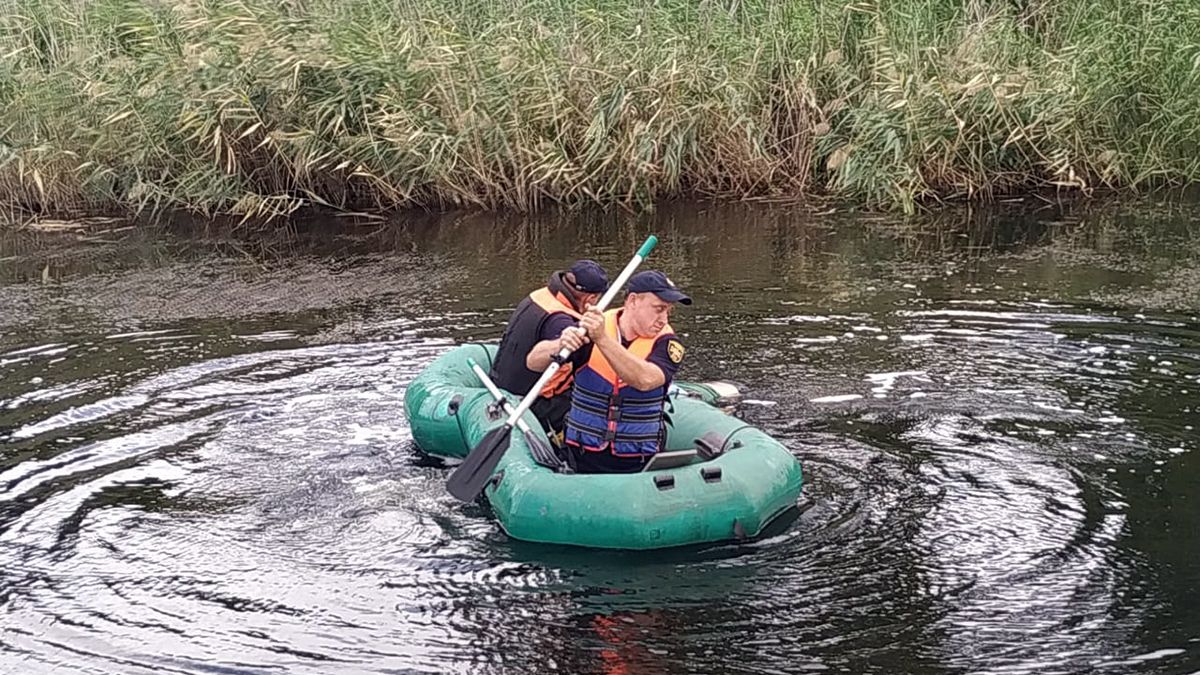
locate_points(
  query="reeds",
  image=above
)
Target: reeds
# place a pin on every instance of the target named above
(260, 107)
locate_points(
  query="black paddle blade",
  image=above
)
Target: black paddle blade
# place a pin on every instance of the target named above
(543, 453)
(468, 479)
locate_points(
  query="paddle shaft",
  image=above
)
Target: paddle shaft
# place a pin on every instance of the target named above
(470, 478)
(562, 356)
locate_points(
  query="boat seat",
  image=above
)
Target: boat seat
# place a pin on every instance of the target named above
(670, 459)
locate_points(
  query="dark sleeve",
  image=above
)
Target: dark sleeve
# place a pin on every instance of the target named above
(554, 325)
(667, 354)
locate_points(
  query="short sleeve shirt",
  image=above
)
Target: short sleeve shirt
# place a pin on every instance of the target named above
(667, 354)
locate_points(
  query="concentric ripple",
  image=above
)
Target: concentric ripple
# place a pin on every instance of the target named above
(205, 467)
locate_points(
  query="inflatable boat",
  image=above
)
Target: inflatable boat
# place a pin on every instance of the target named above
(717, 479)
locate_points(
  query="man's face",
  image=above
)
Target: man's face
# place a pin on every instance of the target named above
(648, 313)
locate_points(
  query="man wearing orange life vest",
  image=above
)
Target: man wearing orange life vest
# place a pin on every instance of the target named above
(542, 325)
(616, 420)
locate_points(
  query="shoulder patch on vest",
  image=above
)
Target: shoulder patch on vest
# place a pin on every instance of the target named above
(675, 351)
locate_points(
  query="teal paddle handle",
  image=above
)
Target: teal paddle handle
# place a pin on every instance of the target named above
(648, 246)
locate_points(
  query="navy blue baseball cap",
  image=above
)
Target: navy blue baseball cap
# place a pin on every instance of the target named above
(653, 281)
(590, 277)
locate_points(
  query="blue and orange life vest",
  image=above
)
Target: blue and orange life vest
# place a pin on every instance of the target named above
(523, 332)
(607, 414)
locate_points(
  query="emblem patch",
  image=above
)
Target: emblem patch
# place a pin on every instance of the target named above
(675, 351)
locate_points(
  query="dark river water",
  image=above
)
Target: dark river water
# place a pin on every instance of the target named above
(205, 465)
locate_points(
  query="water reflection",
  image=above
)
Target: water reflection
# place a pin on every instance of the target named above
(204, 463)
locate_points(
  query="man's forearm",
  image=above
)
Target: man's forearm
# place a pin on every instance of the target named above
(538, 359)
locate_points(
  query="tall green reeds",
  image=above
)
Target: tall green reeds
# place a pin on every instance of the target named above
(259, 107)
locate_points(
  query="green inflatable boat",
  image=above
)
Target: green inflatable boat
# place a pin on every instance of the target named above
(718, 478)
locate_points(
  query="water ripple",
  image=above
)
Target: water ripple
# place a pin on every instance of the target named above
(997, 478)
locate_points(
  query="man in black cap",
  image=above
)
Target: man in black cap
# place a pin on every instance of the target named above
(542, 325)
(616, 420)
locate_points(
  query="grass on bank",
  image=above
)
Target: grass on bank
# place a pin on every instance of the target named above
(259, 107)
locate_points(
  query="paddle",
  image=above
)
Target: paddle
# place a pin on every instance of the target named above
(539, 445)
(472, 475)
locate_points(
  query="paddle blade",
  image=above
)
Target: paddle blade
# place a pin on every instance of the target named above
(539, 446)
(468, 479)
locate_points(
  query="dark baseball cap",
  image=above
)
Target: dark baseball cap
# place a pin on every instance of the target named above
(590, 277)
(653, 281)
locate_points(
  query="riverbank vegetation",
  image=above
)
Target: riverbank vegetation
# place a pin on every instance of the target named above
(261, 107)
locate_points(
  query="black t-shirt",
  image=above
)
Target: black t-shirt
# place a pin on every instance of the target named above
(667, 354)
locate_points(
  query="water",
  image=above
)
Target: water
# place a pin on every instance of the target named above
(204, 464)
